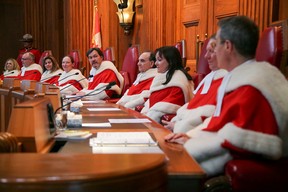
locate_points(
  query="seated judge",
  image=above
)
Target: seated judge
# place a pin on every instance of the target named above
(71, 80)
(52, 71)
(171, 88)
(202, 105)
(11, 69)
(30, 70)
(251, 115)
(28, 47)
(139, 91)
(102, 72)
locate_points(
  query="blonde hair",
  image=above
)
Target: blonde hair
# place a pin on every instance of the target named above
(14, 63)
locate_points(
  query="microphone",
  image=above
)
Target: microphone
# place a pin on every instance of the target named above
(106, 87)
(10, 73)
(77, 73)
(51, 77)
(72, 84)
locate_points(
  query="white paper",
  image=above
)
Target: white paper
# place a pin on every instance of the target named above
(122, 139)
(103, 109)
(96, 124)
(143, 120)
(127, 150)
(98, 101)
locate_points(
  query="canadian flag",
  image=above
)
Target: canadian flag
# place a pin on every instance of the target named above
(96, 35)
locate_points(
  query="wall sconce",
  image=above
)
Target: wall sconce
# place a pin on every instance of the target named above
(125, 14)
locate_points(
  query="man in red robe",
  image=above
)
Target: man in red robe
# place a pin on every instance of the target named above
(103, 73)
(30, 70)
(251, 115)
(139, 91)
(202, 105)
(28, 47)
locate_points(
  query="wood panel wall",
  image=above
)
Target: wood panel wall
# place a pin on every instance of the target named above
(63, 25)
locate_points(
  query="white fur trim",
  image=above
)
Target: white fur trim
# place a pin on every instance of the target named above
(136, 102)
(260, 143)
(48, 74)
(188, 119)
(108, 65)
(10, 74)
(33, 66)
(145, 75)
(272, 84)
(208, 152)
(178, 80)
(161, 108)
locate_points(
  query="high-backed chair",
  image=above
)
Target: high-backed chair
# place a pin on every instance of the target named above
(9, 143)
(202, 68)
(257, 174)
(270, 46)
(109, 54)
(129, 69)
(78, 60)
(181, 46)
(43, 55)
(129, 64)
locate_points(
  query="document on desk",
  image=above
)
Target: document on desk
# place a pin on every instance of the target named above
(141, 120)
(126, 150)
(124, 142)
(104, 109)
(122, 139)
(106, 124)
(98, 101)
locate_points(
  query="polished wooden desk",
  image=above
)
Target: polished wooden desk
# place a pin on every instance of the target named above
(54, 172)
(183, 171)
(75, 168)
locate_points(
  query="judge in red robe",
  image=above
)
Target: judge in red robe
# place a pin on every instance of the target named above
(251, 115)
(71, 81)
(11, 69)
(103, 73)
(30, 70)
(52, 71)
(202, 105)
(138, 93)
(171, 88)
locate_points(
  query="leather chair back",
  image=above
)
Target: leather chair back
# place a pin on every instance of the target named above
(77, 60)
(202, 68)
(181, 46)
(270, 46)
(130, 63)
(109, 54)
(43, 55)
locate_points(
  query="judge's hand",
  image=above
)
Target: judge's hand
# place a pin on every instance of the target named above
(179, 138)
(168, 124)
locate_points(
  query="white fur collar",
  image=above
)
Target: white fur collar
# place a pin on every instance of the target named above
(178, 80)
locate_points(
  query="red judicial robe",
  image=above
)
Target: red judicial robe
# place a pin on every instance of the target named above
(10, 74)
(167, 99)
(139, 91)
(253, 119)
(33, 72)
(51, 77)
(70, 84)
(201, 106)
(106, 73)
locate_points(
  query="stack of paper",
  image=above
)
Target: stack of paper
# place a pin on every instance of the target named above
(124, 142)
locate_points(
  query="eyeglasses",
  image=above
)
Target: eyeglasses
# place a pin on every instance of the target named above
(25, 58)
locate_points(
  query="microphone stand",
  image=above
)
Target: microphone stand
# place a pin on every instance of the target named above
(88, 94)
